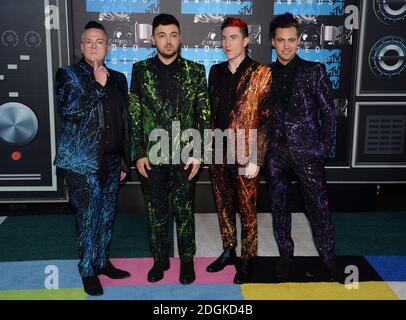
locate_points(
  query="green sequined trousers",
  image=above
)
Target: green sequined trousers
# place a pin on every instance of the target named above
(167, 187)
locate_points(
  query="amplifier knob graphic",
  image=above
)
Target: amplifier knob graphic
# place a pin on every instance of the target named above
(18, 124)
(390, 11)
(32, 39)
(9, 38)
(310, 37)
(306, 19)
(387, 58)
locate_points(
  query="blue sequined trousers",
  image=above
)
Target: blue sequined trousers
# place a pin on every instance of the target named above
(94, 201)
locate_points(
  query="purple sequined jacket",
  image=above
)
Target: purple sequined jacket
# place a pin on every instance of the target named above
(310, 115)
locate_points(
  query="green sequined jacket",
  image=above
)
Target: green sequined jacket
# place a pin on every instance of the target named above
(147, 110)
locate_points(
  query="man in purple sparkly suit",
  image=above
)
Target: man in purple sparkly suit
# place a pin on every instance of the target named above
(300, 138)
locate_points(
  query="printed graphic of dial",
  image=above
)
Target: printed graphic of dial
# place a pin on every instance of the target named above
(387, 58)
(32, 39)
(310, 37)
(390, 11)
(306, 19)
(9, 38)
(18, 124)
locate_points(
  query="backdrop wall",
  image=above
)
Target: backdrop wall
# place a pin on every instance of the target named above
(362, 44)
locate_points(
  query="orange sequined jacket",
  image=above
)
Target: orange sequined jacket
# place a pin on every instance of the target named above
(252, 108)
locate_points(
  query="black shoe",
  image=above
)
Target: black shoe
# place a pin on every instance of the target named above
(187, 272)
(92, 286)
(283, 267)
(110, 271)
(157, 271)
(244, 271)
(228, 257)
(336, 273)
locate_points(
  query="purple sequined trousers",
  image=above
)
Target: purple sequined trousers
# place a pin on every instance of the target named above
(312, 180)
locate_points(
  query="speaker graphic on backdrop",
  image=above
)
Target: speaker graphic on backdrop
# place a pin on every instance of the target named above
(380, 109)
(382, 49)
(27, 123)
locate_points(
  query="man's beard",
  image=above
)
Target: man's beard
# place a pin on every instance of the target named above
(168, 56)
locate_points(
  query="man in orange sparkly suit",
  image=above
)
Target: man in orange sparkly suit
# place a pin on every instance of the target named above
(239, 90)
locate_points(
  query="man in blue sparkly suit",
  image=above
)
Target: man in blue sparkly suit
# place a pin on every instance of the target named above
(92, 151)
(300, 139)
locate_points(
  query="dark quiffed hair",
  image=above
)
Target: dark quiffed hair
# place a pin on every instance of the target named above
(164, 19)
(285, 20)
(95, 25)
(236, 22)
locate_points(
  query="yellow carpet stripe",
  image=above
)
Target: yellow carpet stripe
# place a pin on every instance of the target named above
(318, 291)
(60, 294)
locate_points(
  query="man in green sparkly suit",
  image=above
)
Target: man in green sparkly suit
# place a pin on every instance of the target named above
(168, 91)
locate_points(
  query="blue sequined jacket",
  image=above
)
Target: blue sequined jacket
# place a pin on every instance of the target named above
(79, 98)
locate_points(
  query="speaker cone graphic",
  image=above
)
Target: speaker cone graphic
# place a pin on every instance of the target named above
(18, 124)
(387, 58)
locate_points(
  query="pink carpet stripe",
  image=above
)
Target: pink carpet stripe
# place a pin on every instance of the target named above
(139, 267)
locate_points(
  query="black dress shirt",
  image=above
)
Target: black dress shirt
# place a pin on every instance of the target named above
(113, 121)
(284, 77)
(228, 88)
(167, 83)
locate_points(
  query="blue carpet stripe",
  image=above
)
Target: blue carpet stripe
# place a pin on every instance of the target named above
(30, 275)
(390, 268)
(173, 292)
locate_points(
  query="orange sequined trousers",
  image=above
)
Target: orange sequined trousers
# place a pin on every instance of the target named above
(233, 193)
